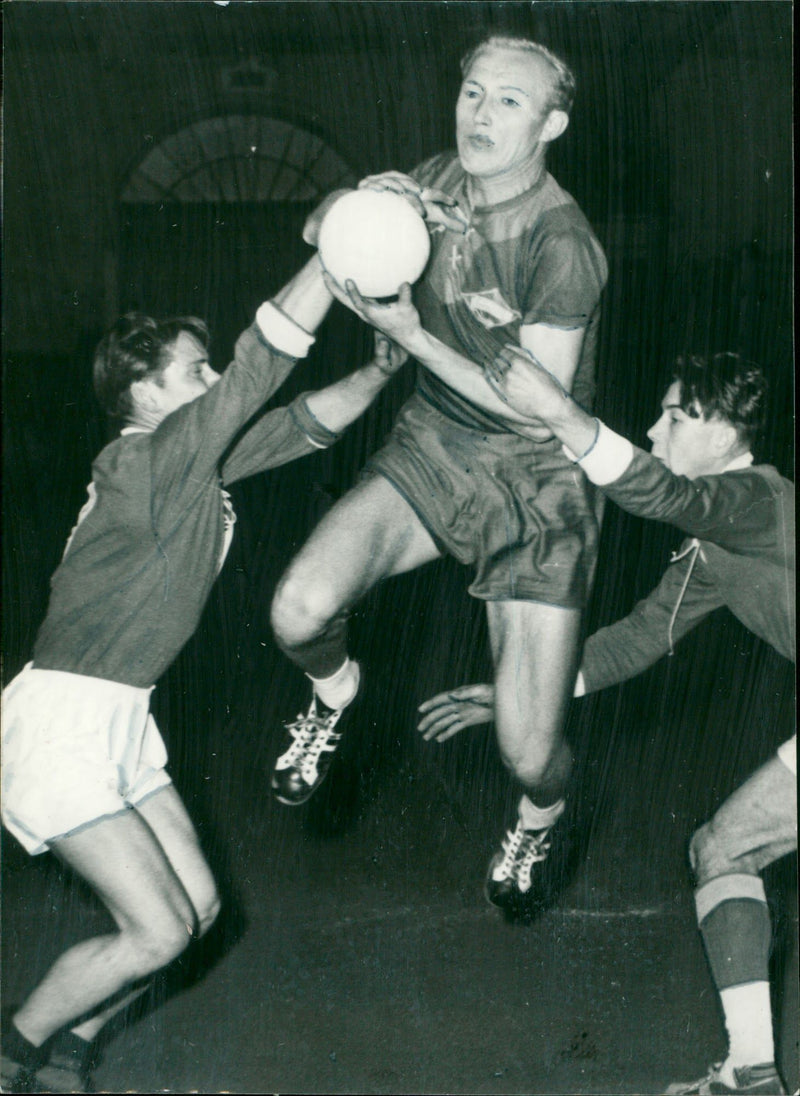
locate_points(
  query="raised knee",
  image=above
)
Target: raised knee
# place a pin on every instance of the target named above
(208, 915)
(301, 608)
(706, 857)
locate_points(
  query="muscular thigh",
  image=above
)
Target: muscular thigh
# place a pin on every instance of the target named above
(169, 821)
(123, 860)
(370, 534)
(535, 654)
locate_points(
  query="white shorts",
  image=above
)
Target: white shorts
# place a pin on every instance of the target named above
(76, 749)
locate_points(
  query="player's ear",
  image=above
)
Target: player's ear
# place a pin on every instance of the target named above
(555, 124)
(726, 438)
(144, 395)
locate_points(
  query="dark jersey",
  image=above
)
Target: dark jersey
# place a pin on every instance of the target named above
(140, 564)
(531, 259)
(742, 557)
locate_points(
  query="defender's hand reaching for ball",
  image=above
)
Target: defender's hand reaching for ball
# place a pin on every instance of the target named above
(316, 217)
(433, 205)
(448, 713)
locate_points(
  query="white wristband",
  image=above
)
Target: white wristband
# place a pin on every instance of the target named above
(606, 459)
(282, 332)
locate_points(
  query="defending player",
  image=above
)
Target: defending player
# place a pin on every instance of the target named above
(83, 762)
(739, 518)
(462, 472)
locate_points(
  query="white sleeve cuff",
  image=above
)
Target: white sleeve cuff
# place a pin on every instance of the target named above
(608, 458)
(282, 332)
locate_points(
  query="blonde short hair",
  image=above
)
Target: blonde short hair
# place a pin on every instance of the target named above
(563, 91)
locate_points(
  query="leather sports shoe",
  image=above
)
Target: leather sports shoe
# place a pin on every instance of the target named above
(68, 1068)
(762, 1079)
(300, 770)
(508, 881)
(17, 1062)
(14, 1077)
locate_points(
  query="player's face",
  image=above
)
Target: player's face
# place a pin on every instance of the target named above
(501, 111)
(688, 446)
(187, 376)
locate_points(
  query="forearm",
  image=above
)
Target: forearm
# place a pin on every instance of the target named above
(535, 379)
(684, 596)
(616, 654)
(463, 375)
(305, 299)
(281, 435)
(573, 426)
(736, 510)
(343, 402)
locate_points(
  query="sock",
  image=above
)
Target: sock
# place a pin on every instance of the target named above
(340, 688)
(540, 818)
(748, 1018)
(735, 926)
(19, 1049)
(70, 1051)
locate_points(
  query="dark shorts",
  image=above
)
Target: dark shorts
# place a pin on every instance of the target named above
(519, 511)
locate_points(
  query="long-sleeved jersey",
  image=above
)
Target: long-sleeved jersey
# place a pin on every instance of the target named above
(139, 565)
(741, 555)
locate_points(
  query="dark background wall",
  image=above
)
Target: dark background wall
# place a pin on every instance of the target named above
(679, 147)
(679, 150)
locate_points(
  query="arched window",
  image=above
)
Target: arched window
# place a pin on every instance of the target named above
(210, 220)
(238, 158)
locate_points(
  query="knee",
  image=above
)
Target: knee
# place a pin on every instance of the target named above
(707, 856)
(529, 764)
(157, 944)
(208, 914)
(536, 761)
(529, 770)
(301, 608)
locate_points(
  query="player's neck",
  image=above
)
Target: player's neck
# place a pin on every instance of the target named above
(143, 419)
(494, 189)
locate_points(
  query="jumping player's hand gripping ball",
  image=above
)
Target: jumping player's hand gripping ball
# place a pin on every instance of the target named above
(375, 239)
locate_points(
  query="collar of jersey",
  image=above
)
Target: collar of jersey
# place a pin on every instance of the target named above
(744, 460)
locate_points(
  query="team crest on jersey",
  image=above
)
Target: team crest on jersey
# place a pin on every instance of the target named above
(489, 308)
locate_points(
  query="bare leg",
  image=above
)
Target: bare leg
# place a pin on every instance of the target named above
(535, 652)
(370, 534)
(125, 863)
(90, 1028)
(169, 820)
(174, 830)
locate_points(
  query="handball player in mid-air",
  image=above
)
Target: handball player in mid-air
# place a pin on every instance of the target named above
(513, 260)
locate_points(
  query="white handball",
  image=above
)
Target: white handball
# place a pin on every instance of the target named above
(376, 239)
